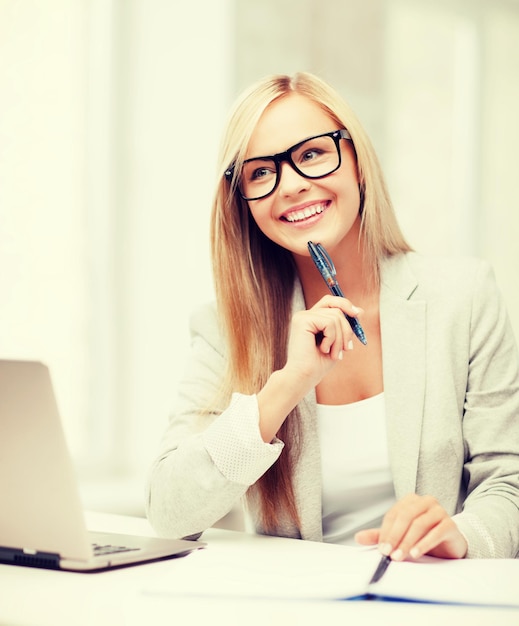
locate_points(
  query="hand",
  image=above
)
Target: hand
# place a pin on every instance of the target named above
(414, 526)
(318, 337)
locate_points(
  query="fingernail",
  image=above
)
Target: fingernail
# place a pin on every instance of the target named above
(341, 355)
(385, 548)
(415, 553)
(350, 345)
(397, 555)
(356, 310)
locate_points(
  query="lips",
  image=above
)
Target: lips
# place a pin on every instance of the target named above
(300, 215)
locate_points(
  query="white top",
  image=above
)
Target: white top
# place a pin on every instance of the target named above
(357, 484)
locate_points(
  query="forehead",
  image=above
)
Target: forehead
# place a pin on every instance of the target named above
(285, 122)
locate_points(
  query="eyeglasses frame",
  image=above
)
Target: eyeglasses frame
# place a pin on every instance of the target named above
(286, 156)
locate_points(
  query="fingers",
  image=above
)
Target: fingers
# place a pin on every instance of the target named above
(327, 322)
(419, 525)
(318, 338)
(333, 333)
(405, 524)
(336, 302)
(336, 333)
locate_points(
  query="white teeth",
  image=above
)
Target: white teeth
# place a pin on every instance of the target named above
(304, 214)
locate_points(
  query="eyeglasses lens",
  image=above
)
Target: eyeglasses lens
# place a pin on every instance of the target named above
(314, 158)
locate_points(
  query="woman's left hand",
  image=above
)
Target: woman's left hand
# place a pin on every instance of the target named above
(414, 526)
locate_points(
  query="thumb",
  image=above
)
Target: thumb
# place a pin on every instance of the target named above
(368, 537)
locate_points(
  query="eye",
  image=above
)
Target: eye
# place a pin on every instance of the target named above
(257, 171)
(314, 151)
(260, 172)
(308, 155)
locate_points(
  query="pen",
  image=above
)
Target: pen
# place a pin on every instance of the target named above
(381, 568)
(326, 268)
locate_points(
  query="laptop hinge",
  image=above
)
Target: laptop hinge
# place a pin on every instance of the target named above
(30, 558)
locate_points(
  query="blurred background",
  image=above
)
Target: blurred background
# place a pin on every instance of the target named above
(111, 112)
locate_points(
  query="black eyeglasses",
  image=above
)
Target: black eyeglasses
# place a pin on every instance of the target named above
(315, 157)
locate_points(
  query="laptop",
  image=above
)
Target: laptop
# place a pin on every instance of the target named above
(41, 519)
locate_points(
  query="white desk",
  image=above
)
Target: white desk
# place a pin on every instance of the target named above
(121, 597)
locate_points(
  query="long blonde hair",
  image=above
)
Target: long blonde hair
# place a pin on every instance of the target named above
(251, 273)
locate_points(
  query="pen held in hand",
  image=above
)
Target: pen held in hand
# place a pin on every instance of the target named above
(326, 268)
(381, 569)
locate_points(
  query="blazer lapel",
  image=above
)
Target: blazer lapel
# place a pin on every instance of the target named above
(403, 357)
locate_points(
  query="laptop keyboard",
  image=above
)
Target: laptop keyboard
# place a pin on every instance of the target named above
(102, 550)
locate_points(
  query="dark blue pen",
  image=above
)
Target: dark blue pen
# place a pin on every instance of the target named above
(381, 569)
(326, 268)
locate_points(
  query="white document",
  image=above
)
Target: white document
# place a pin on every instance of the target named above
(259, 567)
(490, 582)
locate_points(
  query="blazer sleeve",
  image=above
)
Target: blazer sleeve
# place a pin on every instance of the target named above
(208, 456)
(490, 516)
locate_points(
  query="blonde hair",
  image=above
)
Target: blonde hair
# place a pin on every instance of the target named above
(251, 273)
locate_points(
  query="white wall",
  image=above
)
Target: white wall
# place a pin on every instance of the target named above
(172, 93)
(499, 234)
(44, 304)
(110, 116)
(452, 130)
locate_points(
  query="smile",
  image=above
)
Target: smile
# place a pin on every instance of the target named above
(304, 214)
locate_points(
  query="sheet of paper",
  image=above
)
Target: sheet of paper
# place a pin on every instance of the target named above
(281, 568)
(466, 581)
(254, 567)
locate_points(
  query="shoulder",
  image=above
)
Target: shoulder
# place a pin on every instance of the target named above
(204, 326)
(447, 267)
(428, 276)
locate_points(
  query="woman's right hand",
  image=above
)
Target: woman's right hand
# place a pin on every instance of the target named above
(318, 336)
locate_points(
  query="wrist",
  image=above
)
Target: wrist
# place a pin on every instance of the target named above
(280, 395)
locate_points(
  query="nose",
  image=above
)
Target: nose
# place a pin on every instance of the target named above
(290, 181)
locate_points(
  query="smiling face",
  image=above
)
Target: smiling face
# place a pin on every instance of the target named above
(301, 209)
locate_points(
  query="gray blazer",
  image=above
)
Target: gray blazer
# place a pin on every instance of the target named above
(451, 385)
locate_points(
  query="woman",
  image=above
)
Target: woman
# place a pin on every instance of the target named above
(410, 442)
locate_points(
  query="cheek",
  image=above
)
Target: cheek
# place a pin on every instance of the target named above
(348, 187)
(261, 213)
